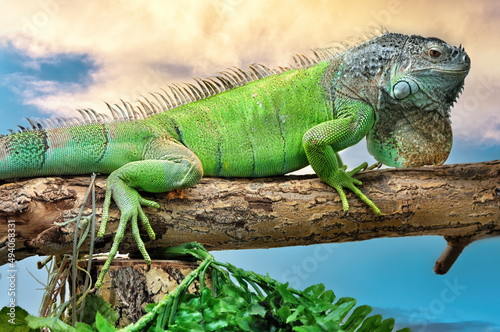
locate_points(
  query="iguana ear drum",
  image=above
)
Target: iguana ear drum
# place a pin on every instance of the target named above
(416, 139)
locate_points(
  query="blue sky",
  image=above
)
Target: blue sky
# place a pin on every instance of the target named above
(53, 61)
(19, 74)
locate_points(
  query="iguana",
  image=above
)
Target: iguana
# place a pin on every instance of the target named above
(395, 90)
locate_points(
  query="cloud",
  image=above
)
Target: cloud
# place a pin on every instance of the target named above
(138, 46)
(476, 118)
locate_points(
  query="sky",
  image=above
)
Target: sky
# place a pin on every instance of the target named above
(58, 56)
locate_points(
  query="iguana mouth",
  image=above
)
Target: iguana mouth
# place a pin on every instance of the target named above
(458, 73)
(463, 72)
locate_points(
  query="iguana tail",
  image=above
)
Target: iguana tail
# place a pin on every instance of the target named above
(76, 149)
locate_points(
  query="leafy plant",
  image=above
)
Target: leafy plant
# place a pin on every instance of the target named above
(238, 301)
(14, 320)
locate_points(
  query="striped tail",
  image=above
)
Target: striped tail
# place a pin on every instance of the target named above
(78, 149)
(23, 154)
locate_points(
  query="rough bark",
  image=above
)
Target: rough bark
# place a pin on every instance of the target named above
(460, 202)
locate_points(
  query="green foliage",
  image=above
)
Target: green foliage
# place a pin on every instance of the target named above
(97, 306)
(103, 325)
(245, 301)
(14, 320)
(239, 301)
(97, 316)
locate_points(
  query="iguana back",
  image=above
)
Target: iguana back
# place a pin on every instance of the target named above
(255, 130)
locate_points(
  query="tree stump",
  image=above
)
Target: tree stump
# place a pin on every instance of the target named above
(130, 284)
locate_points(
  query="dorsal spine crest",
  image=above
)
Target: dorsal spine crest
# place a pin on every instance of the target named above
(185, 93)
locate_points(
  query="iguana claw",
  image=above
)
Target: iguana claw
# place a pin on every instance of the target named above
(342, 179)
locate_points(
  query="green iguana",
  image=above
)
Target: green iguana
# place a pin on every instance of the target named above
(394, 89)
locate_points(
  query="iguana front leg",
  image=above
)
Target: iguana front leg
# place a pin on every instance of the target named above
(169, 165)
(322, 143)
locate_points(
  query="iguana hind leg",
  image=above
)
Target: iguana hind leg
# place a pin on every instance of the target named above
(168, 165)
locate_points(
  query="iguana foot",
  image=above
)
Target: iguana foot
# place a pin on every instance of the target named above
(130, 204)
(341, 179)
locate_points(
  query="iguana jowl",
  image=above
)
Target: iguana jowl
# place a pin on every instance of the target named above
(396, 90)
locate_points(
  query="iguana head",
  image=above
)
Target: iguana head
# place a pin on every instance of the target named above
(418, 89)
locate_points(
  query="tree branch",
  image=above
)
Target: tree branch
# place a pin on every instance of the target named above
(460, 202)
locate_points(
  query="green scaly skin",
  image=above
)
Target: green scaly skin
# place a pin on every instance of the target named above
(396, 90)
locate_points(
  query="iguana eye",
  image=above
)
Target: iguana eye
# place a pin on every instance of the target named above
(434, 53)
